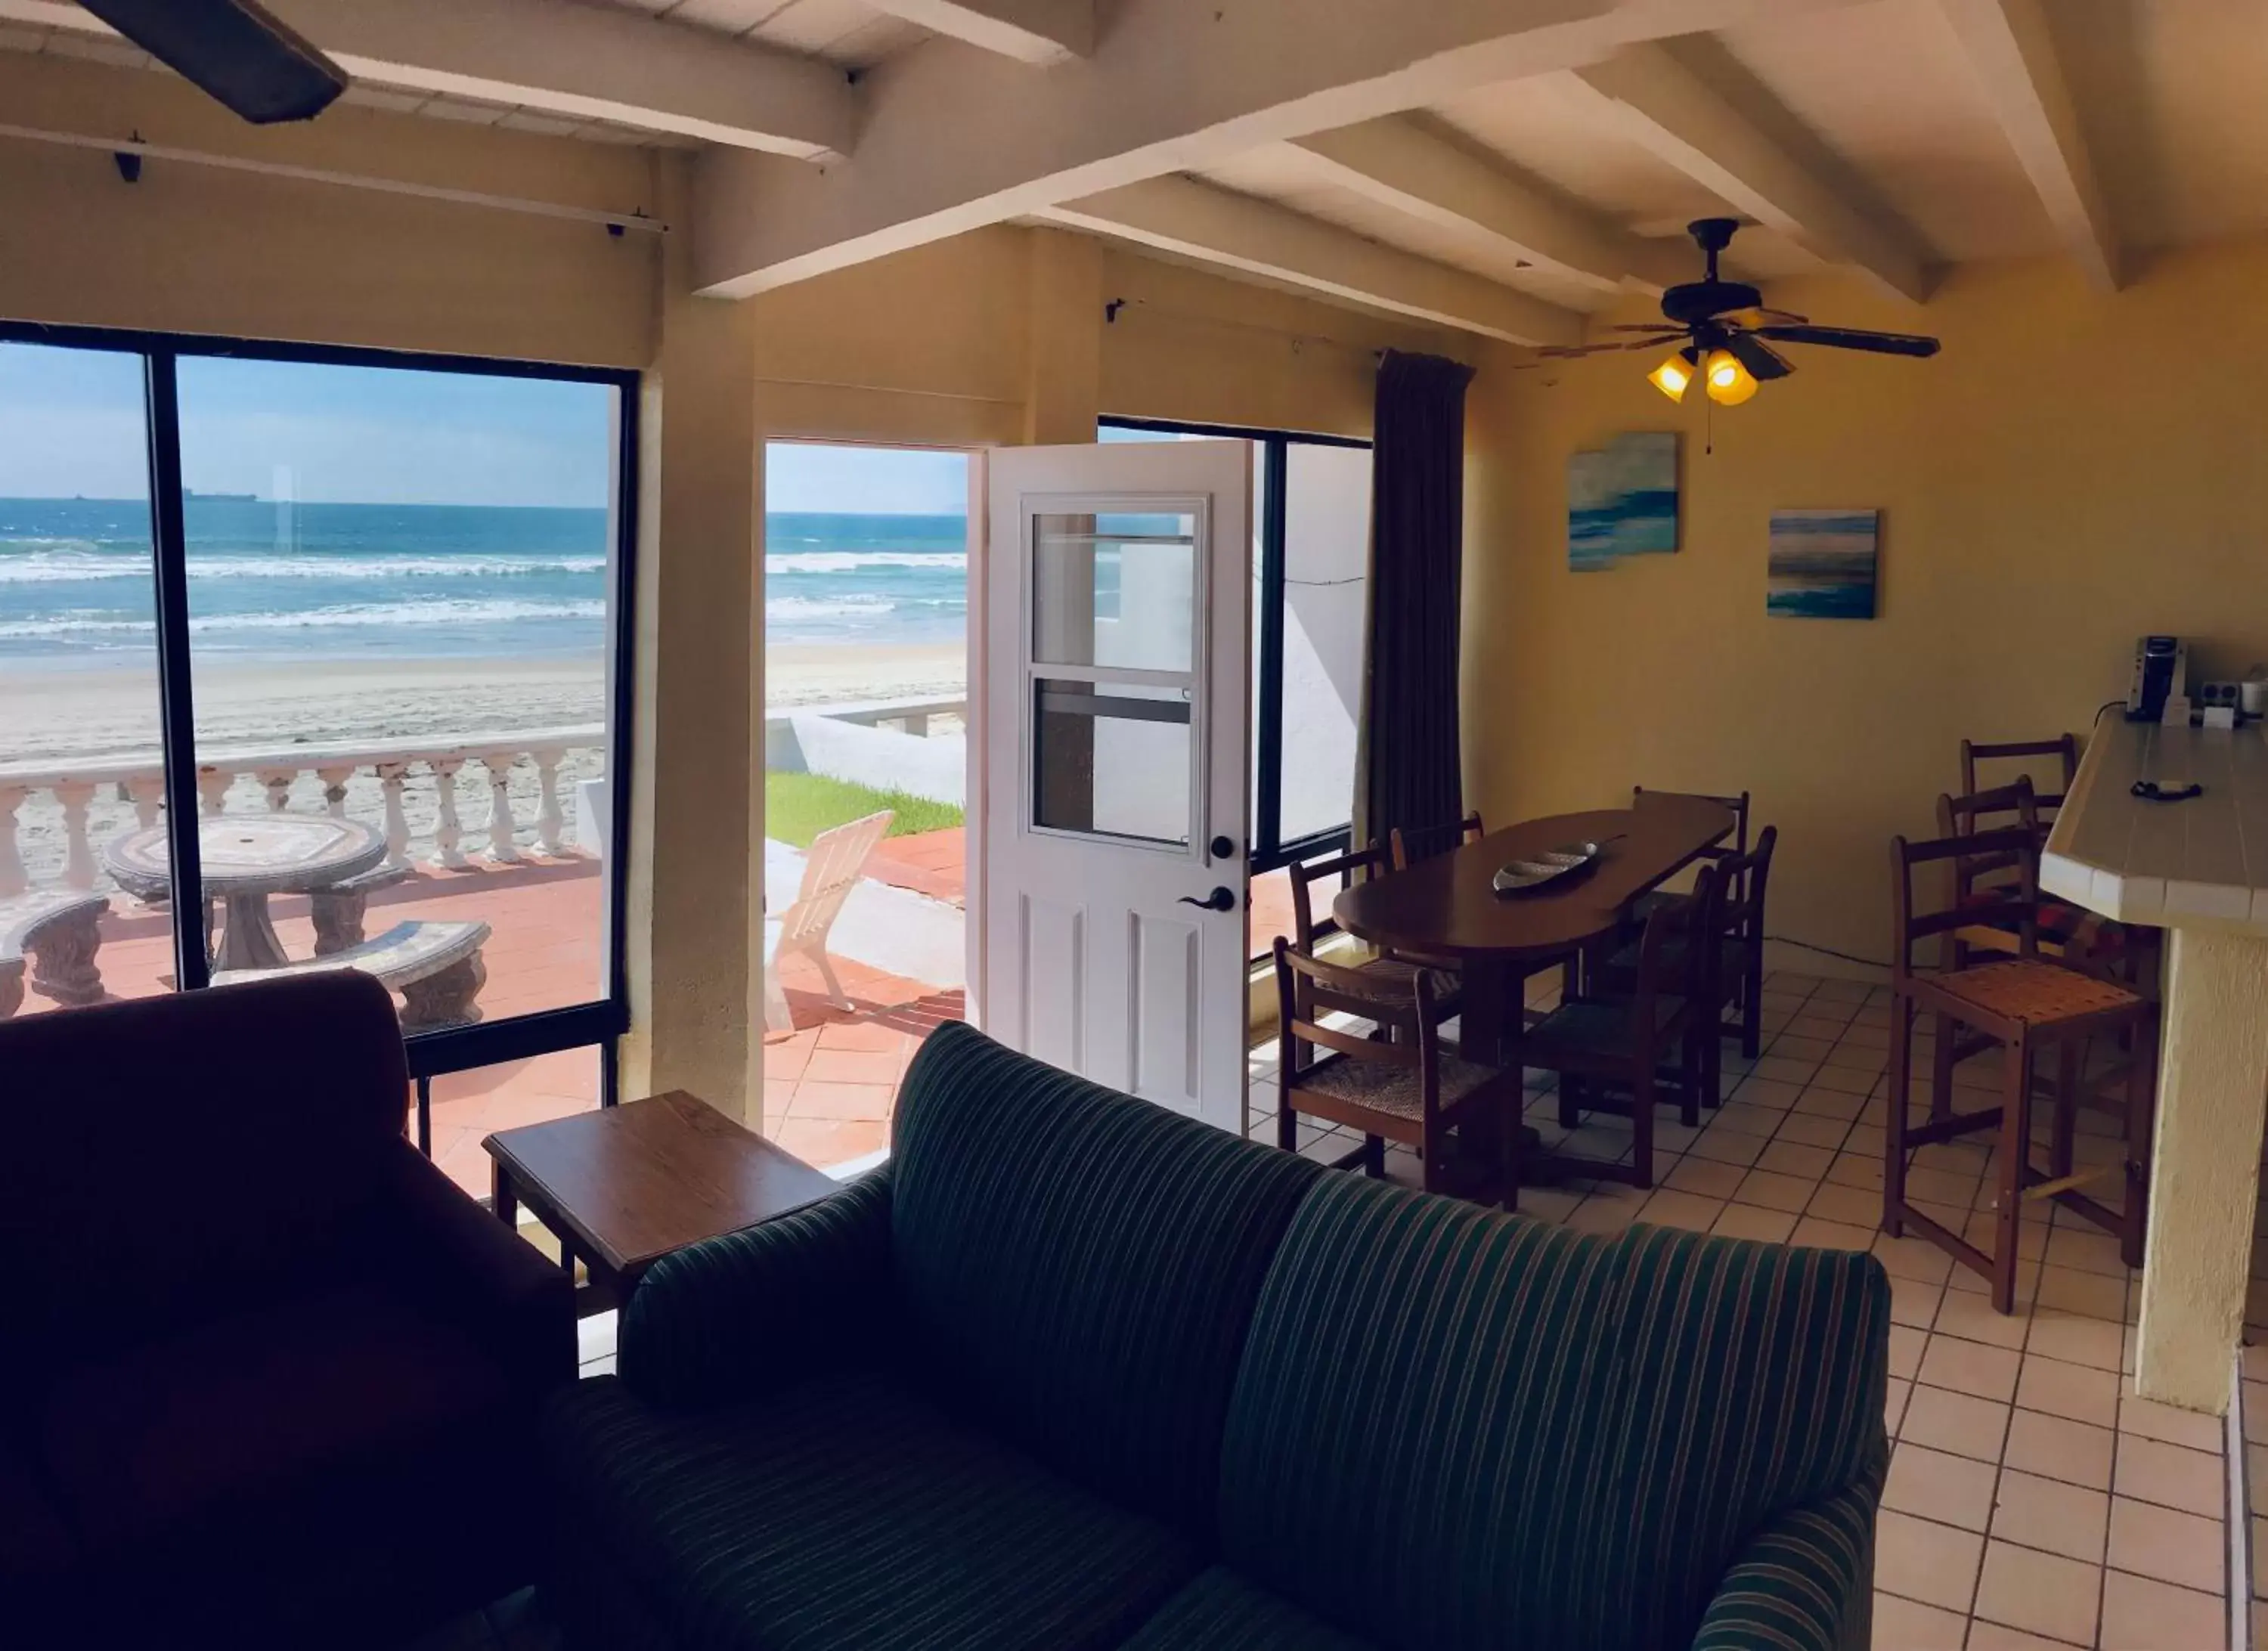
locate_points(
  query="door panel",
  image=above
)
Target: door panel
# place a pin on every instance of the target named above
(1116, 766)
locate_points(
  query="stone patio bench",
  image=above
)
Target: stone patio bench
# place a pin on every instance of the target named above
(61, 930)
(436, 966)
(337, 911)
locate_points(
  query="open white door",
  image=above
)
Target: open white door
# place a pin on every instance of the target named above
(1116, 763)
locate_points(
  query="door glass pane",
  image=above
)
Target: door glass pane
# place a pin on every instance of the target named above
(401, 633)
(1112, 759)
(79, 761)
(1326, 565)
(1115, 590)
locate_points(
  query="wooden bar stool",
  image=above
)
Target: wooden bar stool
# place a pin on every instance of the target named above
(2063, 747)
(2021, 1005)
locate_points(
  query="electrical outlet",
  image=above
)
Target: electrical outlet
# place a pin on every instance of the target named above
(2217, 694)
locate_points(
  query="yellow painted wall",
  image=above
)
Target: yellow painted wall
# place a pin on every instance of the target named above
(2074, 469)
(200, 249)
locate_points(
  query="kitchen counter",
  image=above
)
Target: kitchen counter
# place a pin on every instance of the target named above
(2199, 870)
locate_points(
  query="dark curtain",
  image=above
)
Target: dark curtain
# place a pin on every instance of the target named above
(1406, 757)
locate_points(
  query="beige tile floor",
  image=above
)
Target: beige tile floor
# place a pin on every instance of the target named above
(2033, 1500)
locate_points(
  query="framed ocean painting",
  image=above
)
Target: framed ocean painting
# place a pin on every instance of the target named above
(1622, 500)
(1823, 563)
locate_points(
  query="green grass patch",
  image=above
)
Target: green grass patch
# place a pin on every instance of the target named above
(799, 806)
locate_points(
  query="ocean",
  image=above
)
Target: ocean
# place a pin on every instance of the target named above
(271, 581)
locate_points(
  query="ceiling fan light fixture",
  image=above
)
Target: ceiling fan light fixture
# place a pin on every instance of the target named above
(1674, 375)
(1727, 381)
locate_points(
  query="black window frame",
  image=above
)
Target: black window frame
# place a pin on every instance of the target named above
(1269, 850)
(597, 1022)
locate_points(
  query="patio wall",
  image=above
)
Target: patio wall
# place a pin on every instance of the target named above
(2074, 469)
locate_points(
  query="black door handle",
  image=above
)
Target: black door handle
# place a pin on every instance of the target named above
(1219, 900)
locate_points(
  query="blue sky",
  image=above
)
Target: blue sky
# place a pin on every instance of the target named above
(71, 424)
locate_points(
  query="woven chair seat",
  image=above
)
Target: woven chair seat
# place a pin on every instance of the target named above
(1391, 1088)
(1400, 972)
(1593, 1028)
(1732, 958)
(2035, 992)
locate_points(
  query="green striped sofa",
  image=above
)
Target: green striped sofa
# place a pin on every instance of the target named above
(1072, 1372)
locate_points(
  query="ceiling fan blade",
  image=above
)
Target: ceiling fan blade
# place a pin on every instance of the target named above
(1563, 351)
(1852, 338)
(232, 49)
(1759, 357)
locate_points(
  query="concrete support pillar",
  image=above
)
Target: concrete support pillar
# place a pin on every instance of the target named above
(2204, 1170)
(696, 915)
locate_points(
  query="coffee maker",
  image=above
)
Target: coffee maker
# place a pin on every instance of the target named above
(2162, 671)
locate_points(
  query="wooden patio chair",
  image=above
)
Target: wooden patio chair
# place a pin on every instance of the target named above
(830, 872)
(1409, 1086)
(2021, 1005)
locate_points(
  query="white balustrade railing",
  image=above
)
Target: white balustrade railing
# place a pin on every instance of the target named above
(80, 804)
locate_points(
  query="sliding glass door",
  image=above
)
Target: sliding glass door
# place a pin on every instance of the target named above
(359, 620)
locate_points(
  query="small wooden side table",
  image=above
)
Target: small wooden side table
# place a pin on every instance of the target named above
(624, 1186)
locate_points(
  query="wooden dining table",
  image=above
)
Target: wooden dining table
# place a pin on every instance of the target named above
(1446, 907)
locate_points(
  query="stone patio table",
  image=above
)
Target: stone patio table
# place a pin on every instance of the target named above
(247, 857)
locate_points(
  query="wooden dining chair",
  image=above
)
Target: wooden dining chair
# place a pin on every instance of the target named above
(1642, 907)
(2063, 748)
(1617, 1046)
(1308, 930)
(1735, 987)
(2023, 1005)
(1409, 845)
(1411, 1088)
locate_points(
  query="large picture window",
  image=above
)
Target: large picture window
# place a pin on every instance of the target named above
(311, 659)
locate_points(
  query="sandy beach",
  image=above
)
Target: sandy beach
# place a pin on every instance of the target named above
(822, 673)
(49, 716)
(52, 718)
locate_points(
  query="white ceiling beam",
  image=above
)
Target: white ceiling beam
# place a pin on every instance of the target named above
(1030, 31)
(2008, 45)
(1197, 220)
(1396, 162)
(584, 61)
(956, 137)
(1663, 107)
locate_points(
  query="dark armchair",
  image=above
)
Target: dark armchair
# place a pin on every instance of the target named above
(266, 1376)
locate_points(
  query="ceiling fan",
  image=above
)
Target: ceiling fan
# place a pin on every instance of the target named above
(233, 49)
(1729, 333)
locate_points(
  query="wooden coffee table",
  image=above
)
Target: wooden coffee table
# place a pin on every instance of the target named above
(622, 1187)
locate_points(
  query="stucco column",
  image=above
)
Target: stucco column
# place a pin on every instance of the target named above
(2205, 1167)
(1063, 374)
(695, 913)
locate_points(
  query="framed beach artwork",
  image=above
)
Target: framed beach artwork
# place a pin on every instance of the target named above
(1622, 500)
(1823, 563)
